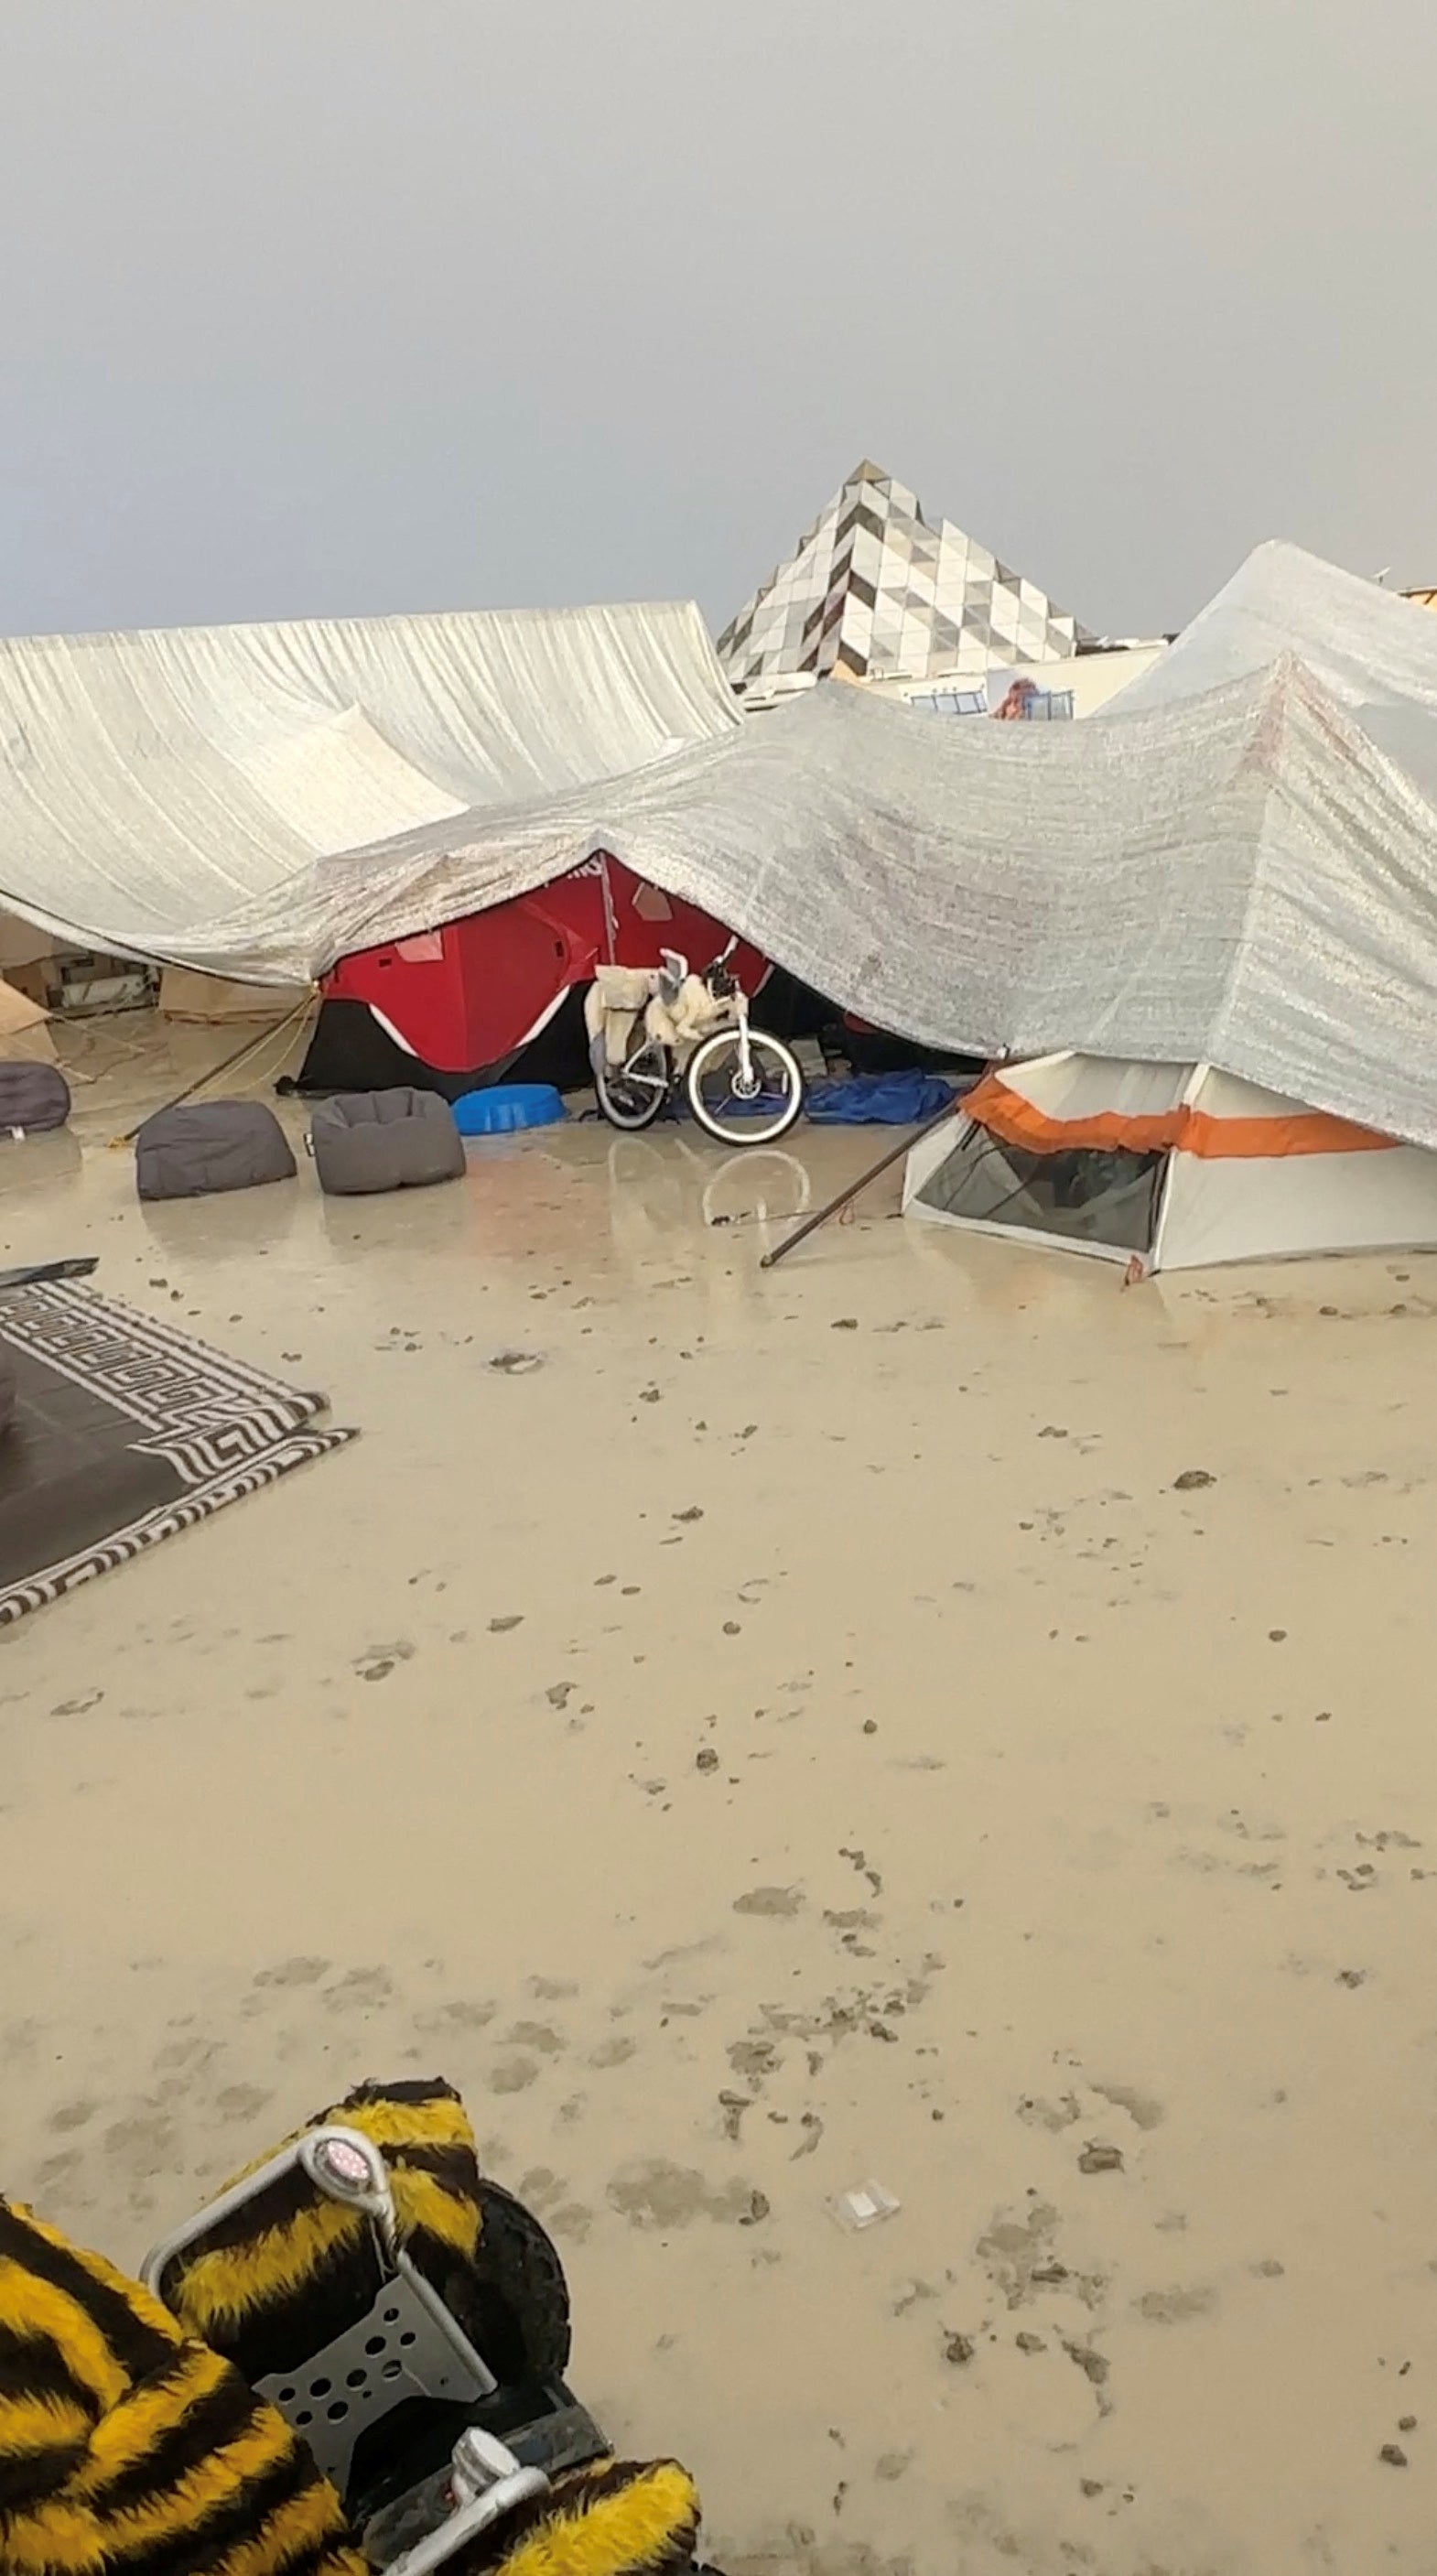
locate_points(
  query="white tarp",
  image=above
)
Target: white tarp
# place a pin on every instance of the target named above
(1245, 876)
(1364, 644)
(152, 783)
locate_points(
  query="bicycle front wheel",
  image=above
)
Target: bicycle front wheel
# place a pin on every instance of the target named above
(742, 1111)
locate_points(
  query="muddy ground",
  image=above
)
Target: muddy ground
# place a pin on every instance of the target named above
(925, 1715)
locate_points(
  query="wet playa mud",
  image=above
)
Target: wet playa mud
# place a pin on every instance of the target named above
(985, 1748)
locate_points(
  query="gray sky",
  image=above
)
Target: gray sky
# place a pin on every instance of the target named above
(326, 305)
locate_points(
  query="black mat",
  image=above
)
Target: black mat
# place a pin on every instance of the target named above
(124, 1432)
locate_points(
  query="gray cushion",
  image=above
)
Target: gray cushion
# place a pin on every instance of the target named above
(384, 1140)
(32, 1096)
(206, 1145)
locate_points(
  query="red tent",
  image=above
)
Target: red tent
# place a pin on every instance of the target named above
(457, 1007)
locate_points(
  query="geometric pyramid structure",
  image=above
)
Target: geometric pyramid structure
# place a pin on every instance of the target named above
(876, 591)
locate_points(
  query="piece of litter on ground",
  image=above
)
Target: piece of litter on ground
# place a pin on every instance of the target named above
(863, 2206)
(516, 1363)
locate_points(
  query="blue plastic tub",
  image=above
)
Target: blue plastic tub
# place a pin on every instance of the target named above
(508, 1107)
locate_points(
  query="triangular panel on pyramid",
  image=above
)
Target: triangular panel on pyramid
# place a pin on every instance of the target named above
(946, 602)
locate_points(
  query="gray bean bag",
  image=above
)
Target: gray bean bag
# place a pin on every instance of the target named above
(33, 1097)
(384, 1140)
(205, 1145)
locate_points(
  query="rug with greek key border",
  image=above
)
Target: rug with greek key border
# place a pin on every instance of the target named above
(125, 1431)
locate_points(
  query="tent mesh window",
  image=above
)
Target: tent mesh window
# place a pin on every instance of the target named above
(1091, 1197)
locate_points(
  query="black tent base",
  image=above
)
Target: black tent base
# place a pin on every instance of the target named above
(349, 1051)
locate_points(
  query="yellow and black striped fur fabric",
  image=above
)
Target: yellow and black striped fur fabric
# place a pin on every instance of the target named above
(274, 2283)
(615, 2518)
(128, 2448)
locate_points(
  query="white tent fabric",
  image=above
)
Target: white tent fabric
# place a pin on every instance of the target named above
(1295, 1183)
(1244, 876)
(1250, 1209)
(151, 783)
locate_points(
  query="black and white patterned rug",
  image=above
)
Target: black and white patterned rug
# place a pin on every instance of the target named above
(124, 1432)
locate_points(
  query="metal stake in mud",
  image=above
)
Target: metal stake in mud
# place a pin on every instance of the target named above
(821, 1215)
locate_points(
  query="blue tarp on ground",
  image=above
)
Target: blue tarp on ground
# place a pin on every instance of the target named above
(879, 1100)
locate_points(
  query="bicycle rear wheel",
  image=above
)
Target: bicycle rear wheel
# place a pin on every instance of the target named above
(634, 1097)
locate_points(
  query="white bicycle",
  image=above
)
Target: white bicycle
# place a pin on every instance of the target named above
(653, 1028)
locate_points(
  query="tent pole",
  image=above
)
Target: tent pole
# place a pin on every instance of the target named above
(820, 1216)
(251, 1046)
(611, 922)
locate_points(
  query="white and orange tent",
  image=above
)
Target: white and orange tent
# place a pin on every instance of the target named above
(1171, 1167)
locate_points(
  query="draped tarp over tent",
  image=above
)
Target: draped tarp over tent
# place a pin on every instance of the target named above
(1244, 877)
(151, 783)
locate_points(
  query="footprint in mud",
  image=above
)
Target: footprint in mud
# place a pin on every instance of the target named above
(54, 2180)
(72, 2115)
(141, 2145)
(461, 2013)
(187, 2056)
(378, 1661)
(293, 1972)
(651, 2192)
(513, 2074)
(536, 2035)
(541, 2189)
(360, 1991)
(1013, 2249)
(570, 2222)
(242, 2101)
(1172, 2307)
(613, 2052)
(1142, 2108)
(1046, 2392)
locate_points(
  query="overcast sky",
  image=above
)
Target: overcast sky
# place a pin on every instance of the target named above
(360, 305)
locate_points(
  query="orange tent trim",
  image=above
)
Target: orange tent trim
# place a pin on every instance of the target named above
(1007, 1115)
